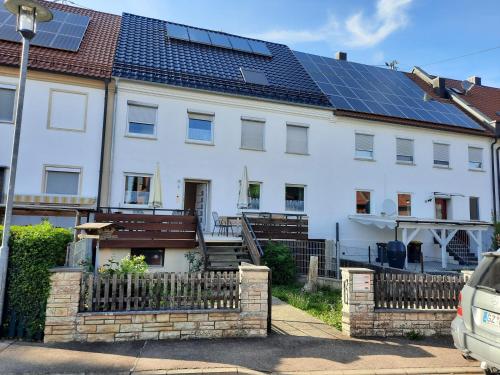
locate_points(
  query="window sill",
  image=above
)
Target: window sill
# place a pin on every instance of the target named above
(477, 170)
(193, 142)
(67, 130)
(297, 153)
(410, 164)
(363, 159)
(252, 149)
(138, 136)
(441, 167)
(6, 122)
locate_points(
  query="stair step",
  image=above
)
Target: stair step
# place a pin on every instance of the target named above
(225, 253)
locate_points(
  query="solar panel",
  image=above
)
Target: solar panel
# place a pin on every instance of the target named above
(216, 39)
(64, 32)
(199, 36)
(177, 31)
(369, 89)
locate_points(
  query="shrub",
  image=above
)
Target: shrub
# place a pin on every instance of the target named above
(34, 250)
(129, 264)
(280, 260)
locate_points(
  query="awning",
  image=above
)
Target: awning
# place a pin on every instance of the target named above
(380, 222)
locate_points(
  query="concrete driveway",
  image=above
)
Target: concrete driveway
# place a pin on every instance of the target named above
(299, 344)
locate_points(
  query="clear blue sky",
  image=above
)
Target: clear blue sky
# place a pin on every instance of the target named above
(414, 32)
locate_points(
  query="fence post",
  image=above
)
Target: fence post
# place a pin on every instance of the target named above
(62, 304)
(254, 294)
(358, 301)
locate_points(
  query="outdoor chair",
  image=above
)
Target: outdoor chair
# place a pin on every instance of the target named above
(223, 225)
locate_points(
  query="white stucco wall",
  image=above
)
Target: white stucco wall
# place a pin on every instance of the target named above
(41, 146)
(330, 172)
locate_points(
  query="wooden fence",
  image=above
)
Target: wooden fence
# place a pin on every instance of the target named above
(416, 291)
(160, 291)
(270, 226)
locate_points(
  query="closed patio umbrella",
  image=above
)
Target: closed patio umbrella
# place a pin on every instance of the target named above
(155, 196)
(243, 195)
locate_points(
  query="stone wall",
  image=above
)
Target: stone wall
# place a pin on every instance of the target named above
(64, 323)
(360, 318)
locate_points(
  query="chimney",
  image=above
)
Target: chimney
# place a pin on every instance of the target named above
(341, 56)
(475, 80)
(438, 84)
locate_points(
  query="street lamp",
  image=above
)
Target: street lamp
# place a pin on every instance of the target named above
(28, 13)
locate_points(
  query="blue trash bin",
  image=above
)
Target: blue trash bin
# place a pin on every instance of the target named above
(396, 254)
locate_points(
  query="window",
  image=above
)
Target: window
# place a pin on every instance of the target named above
(363, 203)
(200, 128)
(142, 119)
(252, 135)
(62, 181)
(254, 196)
(404, 150)
(474, 208)
(296, 139)
(256, 77)
(364, 146)
(404, 204)
(137, 189)
(3, 178)
(7, 100)
(294, 198)
(475, 158)
(441, 155)
(487, 275)
(152, 257)
(68, 110)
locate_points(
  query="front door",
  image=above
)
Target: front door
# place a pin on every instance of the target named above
(441, 208)
(196, 200)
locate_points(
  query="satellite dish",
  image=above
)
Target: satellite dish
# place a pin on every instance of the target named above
(388, 208)
(427, 97)
(467, 86)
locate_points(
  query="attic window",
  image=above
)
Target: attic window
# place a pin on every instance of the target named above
(257, 77)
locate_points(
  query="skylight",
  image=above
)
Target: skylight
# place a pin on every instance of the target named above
(257, 77)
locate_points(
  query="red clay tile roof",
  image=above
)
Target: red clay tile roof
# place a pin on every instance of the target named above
(93, 59)
(485, 98)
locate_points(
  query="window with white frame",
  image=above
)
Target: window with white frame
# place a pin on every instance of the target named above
(404, 150)
(475, 158)
(254, 196)
(404, 204)
(363, 202)
(62, 180)
(294, 197)
(296, 139)
(252, 134)
(441, 154)
(68, 110)
(137, 188)
(200, 128)
(7, 100)
(142, 119)
(474, 208)
(364, 146)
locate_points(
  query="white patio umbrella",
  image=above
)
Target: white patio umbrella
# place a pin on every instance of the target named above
(155, 195)
(243, 195)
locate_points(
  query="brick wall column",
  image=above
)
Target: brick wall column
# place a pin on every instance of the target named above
(62, 304)
(254, 299)
(358, 301)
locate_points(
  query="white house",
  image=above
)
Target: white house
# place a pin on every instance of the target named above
(64, 114)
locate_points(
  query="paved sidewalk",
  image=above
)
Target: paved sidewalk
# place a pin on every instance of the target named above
(300, 345)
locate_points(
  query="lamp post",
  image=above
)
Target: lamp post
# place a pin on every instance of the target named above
(28, 13)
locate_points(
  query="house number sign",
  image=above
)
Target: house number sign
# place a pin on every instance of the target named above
(361, 283)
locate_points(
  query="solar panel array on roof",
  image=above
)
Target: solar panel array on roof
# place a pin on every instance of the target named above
(64, 32)
(368, 89)
(213, 38)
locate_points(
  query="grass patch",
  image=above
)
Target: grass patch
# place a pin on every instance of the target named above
(325, 304)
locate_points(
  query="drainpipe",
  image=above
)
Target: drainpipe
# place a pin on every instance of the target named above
(103, 141)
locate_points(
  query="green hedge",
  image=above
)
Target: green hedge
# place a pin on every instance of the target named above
(33, 251)
(279, 259)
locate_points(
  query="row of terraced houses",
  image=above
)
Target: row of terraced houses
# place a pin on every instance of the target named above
(363, 152)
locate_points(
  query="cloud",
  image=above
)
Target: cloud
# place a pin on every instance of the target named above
(358, 30)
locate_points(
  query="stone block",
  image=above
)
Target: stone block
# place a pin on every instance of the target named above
(148, 336)
(170, 335)
(101, 337)
(229, 324)
(144, 318)
(131, 327)
(57, 338)
(178, 317)
(197, 317)
(184, 325)
(163, 318)
(108, 328)
(86, 328)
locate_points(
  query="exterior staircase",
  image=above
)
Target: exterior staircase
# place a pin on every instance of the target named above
(226, 256)
(458, 248)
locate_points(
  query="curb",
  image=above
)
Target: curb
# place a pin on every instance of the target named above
(244, 371)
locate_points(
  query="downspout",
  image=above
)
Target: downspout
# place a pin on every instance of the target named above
(493, 183)
(103, 141)
(112, 150)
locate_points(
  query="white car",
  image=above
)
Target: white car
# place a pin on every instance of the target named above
(476, 328)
